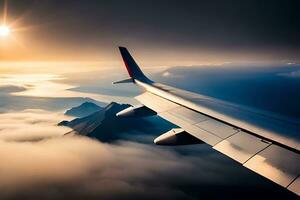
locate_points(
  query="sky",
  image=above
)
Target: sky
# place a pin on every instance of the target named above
(161, 33)
(61, 53)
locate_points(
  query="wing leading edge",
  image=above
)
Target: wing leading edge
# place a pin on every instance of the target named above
(255, 139)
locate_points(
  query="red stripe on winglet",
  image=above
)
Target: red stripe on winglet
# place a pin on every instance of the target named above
(127, 67)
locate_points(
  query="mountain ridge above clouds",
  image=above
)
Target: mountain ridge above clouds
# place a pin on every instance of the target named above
(83, 110)
(105, 126)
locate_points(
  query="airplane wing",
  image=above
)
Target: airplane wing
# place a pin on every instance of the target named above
(263, 142)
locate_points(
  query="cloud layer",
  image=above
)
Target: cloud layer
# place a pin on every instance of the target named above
(37, 162)
(293, 74)
(81, 167)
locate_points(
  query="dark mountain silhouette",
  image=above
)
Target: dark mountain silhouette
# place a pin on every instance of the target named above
(83, 110)
(105, 126)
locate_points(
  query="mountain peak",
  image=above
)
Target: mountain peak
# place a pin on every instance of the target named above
(83, 110)
(105, 126)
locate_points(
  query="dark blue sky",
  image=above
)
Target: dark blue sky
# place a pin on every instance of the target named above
(255, 30)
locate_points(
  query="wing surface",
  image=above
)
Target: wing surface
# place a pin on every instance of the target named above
(259, 154)
(264, 142)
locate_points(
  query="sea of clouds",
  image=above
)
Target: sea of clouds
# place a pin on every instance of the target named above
(39, 162)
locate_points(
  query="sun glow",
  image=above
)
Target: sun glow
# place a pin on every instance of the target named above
(4, 31)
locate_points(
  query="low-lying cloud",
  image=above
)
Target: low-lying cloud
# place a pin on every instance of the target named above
(30, 125)
(37, 162)
(83, 168)
(293, 74)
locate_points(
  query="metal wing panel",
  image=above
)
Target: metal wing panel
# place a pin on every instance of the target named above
(295, 186)
(269, 125)
(188, 115)
(277, 164)
(217, 128)
(179, 115)
(241, 146)
(193, 130)
(156, 103)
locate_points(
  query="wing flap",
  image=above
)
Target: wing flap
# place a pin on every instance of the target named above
(217, 128)
(277, 164)
(195, 131)
(241, 146)
(179, 115)
(188, 115)
(295, 186)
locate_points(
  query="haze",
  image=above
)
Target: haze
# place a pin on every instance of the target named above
(61, 54)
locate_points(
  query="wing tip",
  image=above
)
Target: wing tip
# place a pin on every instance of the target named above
(122, 48)
(132, 67)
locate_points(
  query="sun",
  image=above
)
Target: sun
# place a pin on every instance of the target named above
(4, 30)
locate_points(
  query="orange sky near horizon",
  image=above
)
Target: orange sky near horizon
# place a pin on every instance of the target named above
(47, 44)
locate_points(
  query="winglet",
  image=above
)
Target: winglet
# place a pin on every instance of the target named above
(133, 69)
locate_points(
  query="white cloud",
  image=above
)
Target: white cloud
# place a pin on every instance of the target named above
(31, 124)
(165, 74)
(170, 74)
(50, 166)
(294, 74)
